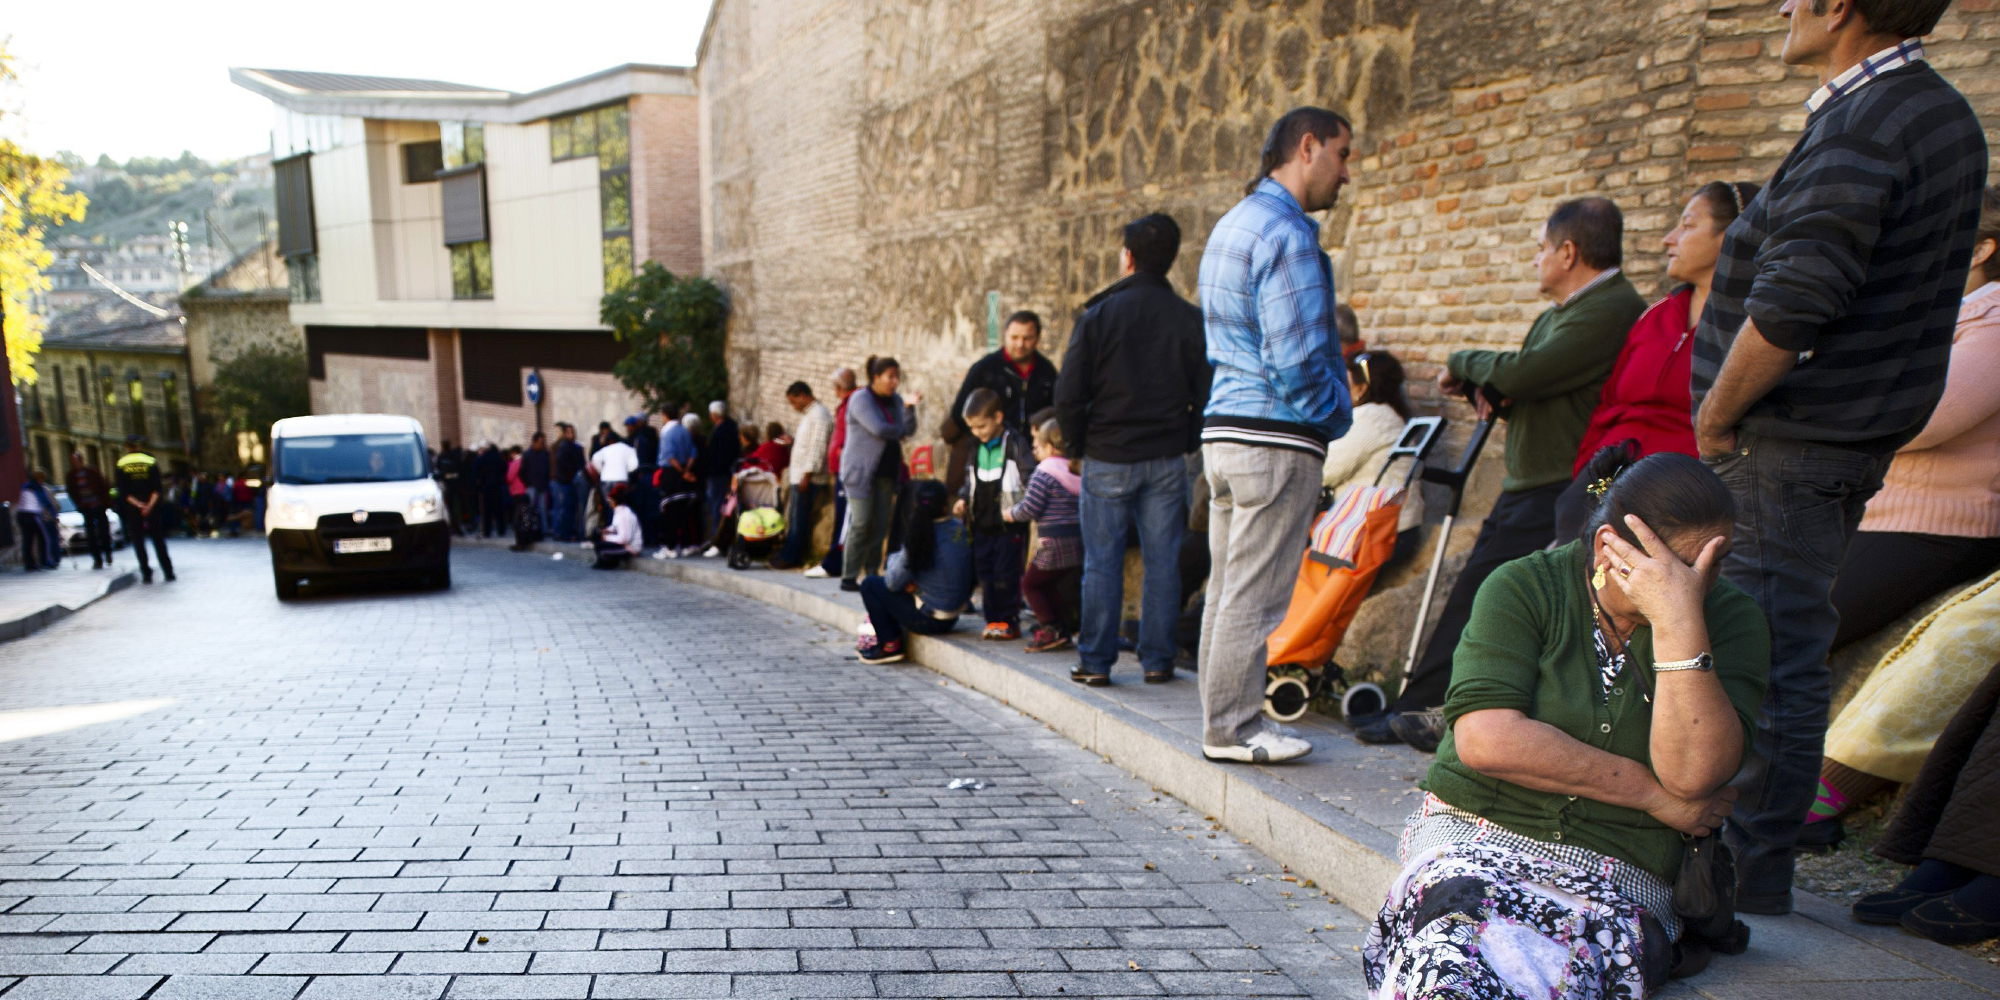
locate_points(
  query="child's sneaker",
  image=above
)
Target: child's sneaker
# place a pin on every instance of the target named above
(881, 652)
(1047, 640)
(1001, 632)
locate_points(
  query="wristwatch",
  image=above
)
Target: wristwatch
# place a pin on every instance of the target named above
(1702, 662)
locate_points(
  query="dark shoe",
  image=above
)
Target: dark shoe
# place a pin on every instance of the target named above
(850, 586)
(1423, 730)
(170, 576)
(1378, 729)
(1159, 676)
(1945, 922)
(96, 564)
(780, 564)
(145, 576)
(888, 652)
(1090, 677)
(1823, 837)
(1887, 908)
(1047, 640)
(1764, 906)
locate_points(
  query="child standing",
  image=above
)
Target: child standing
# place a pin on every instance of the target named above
(1053, 492)
(994, 484)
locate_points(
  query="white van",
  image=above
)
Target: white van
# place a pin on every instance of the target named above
(352, 493)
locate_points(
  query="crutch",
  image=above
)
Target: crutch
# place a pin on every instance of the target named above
(1452, 477)
(1420, 435)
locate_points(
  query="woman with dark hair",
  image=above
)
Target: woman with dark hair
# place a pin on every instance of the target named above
(620, 539)
(1645, 398)
(1602, 696)
(871, 465)
(1375, 383)
(928, 582)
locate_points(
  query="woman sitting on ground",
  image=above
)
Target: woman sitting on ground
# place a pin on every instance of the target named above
(1601, 699)
(1375, 383)
(621, 539)
(928, 581)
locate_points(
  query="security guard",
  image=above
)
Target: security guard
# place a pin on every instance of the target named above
(139, 497)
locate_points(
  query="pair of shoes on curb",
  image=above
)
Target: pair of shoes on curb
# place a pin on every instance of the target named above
(1090, 678)
(816, 573)
(710, 552)
(1158, 676)
(1270, 745)
(851, 586)
(667, 552)
(1423, 730)
(1047, 640)
(872, 650)
(1001, 632)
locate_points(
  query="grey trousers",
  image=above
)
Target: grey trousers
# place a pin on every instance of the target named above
(1260, 512)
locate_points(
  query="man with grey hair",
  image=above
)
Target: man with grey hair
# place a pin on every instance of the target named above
(844, 382)
(717, 464)
(807, 473)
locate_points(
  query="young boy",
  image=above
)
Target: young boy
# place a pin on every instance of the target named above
(995, 480)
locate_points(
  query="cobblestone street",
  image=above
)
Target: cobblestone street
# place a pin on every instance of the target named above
(553, 783)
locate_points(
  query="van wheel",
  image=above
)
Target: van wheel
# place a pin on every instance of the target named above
(286, 585)
(441, 579)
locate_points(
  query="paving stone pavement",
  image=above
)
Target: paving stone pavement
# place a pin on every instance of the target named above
(552, 783)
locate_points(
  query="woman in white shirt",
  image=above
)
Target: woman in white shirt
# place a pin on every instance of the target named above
(1375, 382)
(621, 539)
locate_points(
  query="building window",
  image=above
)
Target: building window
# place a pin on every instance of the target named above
(599, 132)
(82, 385)
(170, 398)
(62, 399)
(105, 392)
(472, 270)
(136, 388)
(304, 272)
(422, 161)
(464, 143)
(42, 453)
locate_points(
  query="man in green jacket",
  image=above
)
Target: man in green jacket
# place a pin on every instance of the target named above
(1548, 388)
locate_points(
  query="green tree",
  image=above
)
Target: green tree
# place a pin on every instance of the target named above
(33, 197)
(258, 387)
(677, 331)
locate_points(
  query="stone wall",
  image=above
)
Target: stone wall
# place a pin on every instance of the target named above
(874, 168)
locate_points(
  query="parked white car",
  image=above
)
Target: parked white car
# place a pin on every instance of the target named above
(72, 525)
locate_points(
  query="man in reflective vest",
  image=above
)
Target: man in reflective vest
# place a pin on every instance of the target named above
(139, 496)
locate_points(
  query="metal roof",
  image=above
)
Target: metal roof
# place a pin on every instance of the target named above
(348, 83)
(109, 323)
(412, 99)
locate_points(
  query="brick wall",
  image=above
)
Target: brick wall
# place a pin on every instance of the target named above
(666, 181)
(874, 167)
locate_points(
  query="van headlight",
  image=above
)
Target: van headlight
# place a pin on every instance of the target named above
(290, 514)
(423, 508)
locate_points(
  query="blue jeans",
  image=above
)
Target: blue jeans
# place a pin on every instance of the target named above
(569, 515)
(894, 613)
(1797, 505)
(714, 493)
(798, 523)
(1116, 496)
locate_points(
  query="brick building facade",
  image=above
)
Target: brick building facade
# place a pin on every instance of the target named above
(876, 168)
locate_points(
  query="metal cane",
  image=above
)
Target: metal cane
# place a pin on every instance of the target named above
(1453, 477)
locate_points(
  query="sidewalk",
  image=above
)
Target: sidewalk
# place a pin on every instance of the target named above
(30, 602)
(1335, 817)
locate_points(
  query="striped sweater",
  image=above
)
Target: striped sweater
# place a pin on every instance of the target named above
(1855, 256)
(1051, 500)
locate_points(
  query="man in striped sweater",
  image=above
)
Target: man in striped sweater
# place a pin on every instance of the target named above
(1821, 351)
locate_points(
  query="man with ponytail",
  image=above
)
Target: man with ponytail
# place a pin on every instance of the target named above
(1279, 395)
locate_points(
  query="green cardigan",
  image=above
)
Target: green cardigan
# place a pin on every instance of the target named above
(1555, 379)
(1528, 647)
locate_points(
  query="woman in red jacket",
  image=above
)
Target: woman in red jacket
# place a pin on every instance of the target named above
(1645, 400)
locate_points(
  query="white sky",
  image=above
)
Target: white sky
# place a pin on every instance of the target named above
(145, 78)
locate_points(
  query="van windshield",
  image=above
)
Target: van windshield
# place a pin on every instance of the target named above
(351, 458)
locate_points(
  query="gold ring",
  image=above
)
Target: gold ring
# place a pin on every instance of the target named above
(1624, 571)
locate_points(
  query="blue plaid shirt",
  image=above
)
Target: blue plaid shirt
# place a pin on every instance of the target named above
(1267, 303)
(1909, 51)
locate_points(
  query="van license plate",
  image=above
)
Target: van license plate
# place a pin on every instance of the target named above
(345, 546)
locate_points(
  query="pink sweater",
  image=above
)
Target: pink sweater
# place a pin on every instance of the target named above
(1947, 481)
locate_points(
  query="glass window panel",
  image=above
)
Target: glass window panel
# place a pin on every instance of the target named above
(451, 135)
(584, 141)
(560, 143)
(613, 141)
(615, 197)
(482, 268)
(461, 271)
(617, 261)
(475, 143)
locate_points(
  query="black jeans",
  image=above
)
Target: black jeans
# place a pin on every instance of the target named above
(798, 523)
(1888, 573)
(893, 613)
(836, 553)
(1797, 505)
(1522, 522)
(97, 534)
(137, 530)
(998, 560)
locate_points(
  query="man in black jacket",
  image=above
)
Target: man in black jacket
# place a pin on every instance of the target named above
(1129, 400)
(1024, 379)
(716, 464)
(567, 485)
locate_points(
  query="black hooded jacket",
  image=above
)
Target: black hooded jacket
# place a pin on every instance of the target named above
(1135, 378)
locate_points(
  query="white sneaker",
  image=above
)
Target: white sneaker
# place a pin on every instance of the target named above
(816, 573)
(711, 552)
(1269, 746)
(663, 553)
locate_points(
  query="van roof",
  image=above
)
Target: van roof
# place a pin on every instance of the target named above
(345, 423)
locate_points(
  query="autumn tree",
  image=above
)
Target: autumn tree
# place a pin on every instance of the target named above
(33, 197)
(676, 330)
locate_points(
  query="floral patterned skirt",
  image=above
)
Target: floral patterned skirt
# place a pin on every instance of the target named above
(1487, 922)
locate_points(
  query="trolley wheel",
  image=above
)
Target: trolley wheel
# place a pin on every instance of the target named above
(1286, 697)
(1363, 699)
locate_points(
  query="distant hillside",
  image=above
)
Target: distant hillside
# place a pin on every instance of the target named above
(142, 195)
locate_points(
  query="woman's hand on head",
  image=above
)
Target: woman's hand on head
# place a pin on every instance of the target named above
(1697, 817)
(1655, 579)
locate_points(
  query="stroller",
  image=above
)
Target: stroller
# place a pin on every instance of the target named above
(1351, 540)
(758, 531)
(755, 493)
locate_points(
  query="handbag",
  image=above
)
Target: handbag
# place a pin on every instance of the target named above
(1705, 900)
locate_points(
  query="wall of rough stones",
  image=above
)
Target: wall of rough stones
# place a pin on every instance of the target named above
(874, 168)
